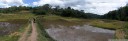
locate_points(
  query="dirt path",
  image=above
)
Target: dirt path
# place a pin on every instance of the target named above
(24, 35)
(33, 34)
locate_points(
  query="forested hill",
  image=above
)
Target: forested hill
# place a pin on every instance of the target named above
(120, 14)
(48, 10)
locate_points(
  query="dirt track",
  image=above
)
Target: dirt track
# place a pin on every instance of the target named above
(24, 35)
(33, 34)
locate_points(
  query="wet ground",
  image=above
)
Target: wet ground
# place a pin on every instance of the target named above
(79, 33)
(62, 30)
(8, 27)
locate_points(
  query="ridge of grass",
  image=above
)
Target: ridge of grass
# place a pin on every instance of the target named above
(42, 34)
(100, 23)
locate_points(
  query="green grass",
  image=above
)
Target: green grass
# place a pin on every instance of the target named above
(54, 17)
(111, 24)
(15, 19)
(5, 17)
(126, 30)
(69, 21)
(101, 23)
(13, 36)
(42, 34)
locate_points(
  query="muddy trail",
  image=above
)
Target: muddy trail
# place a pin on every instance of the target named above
(32, 36)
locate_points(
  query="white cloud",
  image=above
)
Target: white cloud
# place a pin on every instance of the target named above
(52, 2)
(103, 6)
(8, 3)
(93, 6)
(3, 5)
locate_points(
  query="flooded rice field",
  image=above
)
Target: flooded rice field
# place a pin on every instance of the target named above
(8, 27)
(62, 30)
(79, 33)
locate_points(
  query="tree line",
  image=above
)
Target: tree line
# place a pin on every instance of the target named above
(120, 14)
(49, 10)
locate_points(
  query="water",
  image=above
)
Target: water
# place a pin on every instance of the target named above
(7, 28)
(80, 33)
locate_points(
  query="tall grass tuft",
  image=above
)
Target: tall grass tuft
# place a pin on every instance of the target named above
(126, 30)
(42, 34)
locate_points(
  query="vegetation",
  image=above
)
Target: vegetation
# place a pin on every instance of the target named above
(17, 24)
(22, 13)
(42, 34)
(48, 10)
(14, 32)
(126, 31)
(6, 17)
(102, 23)
(120, 14)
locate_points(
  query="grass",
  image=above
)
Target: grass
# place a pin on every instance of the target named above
(54, 17)
(6, 17)
(111, 24)
(21, 19)
(101, 23)
(126, 30)
(42, 34)
(13, 36)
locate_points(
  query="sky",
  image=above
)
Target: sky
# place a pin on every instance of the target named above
(90, 6)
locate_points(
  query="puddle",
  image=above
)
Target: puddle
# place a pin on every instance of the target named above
(80, 33)
(7, 28)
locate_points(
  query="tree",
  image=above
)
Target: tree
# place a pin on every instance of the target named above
(120, 14)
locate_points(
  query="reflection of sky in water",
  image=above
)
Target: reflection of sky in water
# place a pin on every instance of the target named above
(79, 33)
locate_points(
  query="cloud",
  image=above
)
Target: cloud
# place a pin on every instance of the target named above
(8, 3)
(92, 6)
(51, 2)
(3, 5)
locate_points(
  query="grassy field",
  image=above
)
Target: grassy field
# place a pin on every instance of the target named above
(45, 21)
(17, 24)
(101, 23)
(13, 33)
(126, 30)
(42, 34)
(6, 17)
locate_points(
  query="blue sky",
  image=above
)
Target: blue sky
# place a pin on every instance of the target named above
(90, 6)
(29, 1)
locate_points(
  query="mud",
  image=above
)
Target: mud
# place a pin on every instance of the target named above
(79, 33)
